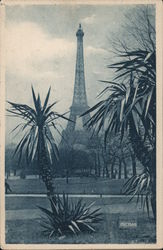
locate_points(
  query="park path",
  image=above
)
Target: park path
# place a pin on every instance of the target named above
(73, 195)
(23, 214)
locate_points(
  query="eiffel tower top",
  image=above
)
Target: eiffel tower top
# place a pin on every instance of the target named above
(79, 98)
(80, 31)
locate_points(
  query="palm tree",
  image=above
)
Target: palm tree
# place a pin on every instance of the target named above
(37, 141)
(130, 106)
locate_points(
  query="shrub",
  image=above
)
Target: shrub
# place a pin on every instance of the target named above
(67, 217)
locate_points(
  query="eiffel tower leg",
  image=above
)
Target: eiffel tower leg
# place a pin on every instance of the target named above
(71, 124)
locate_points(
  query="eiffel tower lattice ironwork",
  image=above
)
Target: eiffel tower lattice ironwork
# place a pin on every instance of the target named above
(79, 103)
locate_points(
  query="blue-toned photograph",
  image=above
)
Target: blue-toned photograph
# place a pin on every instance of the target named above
(80, 124)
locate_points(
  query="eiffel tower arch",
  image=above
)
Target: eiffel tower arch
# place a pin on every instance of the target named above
(76, 133)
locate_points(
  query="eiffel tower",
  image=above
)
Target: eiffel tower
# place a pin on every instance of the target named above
(75, 132)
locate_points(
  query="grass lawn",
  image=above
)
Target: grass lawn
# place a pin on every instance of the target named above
(26, 229)
(29, 231)
(84, 185)
(14, 203)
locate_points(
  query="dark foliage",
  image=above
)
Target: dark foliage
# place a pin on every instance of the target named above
(67, 217)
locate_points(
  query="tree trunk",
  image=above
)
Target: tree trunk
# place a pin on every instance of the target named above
(90, 169)
(106, 169)
(22, 174)
(112, 168)
(67, 176)
(14, 172)
(98, 164)
(8, 174)
(153, 198)
(133, 164)
(125, 169)
(120, 169)
(103, 172)
(44, 164)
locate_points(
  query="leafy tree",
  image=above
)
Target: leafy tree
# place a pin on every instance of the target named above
(130, 103)
(82, 162)
(37, 141)
(65, 164)
(10, 164)
(115, 154)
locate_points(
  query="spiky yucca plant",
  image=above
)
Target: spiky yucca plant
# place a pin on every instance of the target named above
(37, 141)
(140, 186)
(67, 217)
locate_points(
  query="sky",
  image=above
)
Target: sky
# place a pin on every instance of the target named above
(41, 51)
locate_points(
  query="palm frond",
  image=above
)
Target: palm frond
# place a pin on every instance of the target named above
(46, 100)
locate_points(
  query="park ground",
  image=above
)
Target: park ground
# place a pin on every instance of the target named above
(23, 215)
